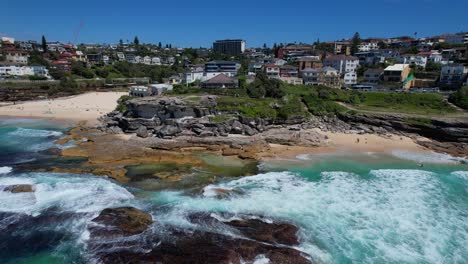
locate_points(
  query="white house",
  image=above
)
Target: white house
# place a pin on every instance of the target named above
(147, 60)
(23, 70)
(17, 57)
(121, 56)
(350, 78)
(417, 60)
(156, 61)
(138, 59)
(368, 46)
(342, 63)
(191, 77)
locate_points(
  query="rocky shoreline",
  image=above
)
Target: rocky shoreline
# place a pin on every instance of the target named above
(194, 124)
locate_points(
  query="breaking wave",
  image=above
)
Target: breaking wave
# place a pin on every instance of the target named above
(68, 192)
(387, 216)
(5, 170)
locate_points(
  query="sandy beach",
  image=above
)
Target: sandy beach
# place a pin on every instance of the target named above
(341, 142)
(84, 107)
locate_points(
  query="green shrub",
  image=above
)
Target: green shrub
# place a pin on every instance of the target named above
(460, 98)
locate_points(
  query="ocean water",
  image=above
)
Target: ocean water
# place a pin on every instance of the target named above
(350, 208)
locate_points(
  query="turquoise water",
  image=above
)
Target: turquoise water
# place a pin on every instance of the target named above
(350, 208)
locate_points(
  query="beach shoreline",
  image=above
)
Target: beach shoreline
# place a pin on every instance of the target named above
(87, 107)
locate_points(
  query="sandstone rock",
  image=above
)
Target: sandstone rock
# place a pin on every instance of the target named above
(19, 188)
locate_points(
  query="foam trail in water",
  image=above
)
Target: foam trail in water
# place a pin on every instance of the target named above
(427, 157)
(29, 132)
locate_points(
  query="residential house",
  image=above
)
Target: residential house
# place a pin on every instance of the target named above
(120, 56)
(309, 62)
(368, 46)
(130, 57)
(373, 75)
(311, 76)
(292, 80)
(272, 71)
(16, 56)
(193, 76)
(94, 58)
(147, 60)
(342, 63)
(13, 70)
(416, 60)
(397, 73)
(330, 77)
(288, 71)
(138, 59)
(327, 76)
(255, 67)
(452, 76)
(293, 51)
(174, 80)
(156, 61)
(342, 47)
(350, 78)
(214, 68)
(370, 57)
(221, 81)
(79, 56)
(140, 91)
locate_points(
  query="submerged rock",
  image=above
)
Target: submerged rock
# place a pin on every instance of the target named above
(123, 221)
(19, 188)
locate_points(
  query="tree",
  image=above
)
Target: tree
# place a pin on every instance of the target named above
(460, 98)
(160, 45)
(170, 46)
(355, 43)
(44, 44)
(136, 41)
(382, 45)
(121, 42)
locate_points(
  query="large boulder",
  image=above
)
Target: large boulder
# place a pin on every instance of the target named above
(142, 132)
(237, 127)
(168, 131)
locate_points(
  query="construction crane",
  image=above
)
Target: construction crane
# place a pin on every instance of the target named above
(77, 32)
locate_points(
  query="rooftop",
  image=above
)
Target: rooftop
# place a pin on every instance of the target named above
(397, 67)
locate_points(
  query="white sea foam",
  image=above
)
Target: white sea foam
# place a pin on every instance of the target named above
(461, 174)
(76, 193)
(387, 216)
(427, 157)
(28, 132)
(5, 170)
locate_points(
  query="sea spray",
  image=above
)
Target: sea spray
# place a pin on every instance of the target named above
(383, 216)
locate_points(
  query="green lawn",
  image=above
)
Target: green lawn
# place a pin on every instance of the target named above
(431, 104)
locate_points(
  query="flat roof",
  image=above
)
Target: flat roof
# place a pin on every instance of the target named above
(397, 67)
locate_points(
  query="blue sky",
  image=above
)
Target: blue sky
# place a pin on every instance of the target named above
(197, 23)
